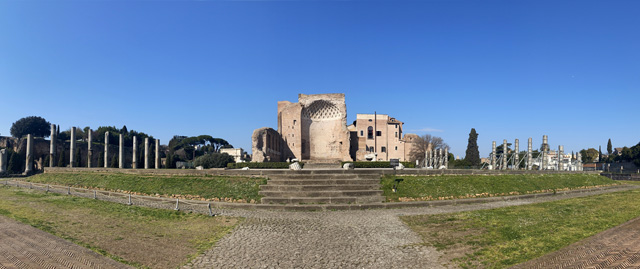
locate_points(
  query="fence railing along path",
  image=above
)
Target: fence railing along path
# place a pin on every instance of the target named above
(194, 206)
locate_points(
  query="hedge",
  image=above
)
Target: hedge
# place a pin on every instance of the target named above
(378, 164)
(265, 165)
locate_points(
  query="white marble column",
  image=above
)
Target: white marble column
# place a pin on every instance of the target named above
(52, 145)
(134, 162)
(146, 153)
(106, 149)
(72, 146)
(3, 161)
(157, 154)
(121, 152)
(89, 148)
(29, 160)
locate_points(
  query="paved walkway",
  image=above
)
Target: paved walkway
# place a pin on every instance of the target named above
(271, 239)
(618, 247)
(342, 239)
(22, 246)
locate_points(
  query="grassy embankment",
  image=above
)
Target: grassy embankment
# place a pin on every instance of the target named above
(425, 188)
(212, 188)
(138, 236)
(502, 237)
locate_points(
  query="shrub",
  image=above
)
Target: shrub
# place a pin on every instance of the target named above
(266, 165)
(213, 160)
(379, 164)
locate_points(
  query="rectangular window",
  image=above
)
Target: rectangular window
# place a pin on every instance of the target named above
(294, 122)
(361, 133)
(396, 134)
(396, 147)
(378, 133)
(396, 126)
(383, 149)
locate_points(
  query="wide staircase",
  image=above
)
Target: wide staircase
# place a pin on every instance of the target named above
(322, 187)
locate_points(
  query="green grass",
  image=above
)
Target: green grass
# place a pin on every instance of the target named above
(227, 188)
(502, 237)
(417, 188)
(142, 237)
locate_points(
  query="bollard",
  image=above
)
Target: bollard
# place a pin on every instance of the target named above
(210, 212)
(30, 187)
(177, 204)
(68, 190)
(129, 203)
(47, 189)
(95, 196)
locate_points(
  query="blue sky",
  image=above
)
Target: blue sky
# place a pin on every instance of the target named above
(510, 69)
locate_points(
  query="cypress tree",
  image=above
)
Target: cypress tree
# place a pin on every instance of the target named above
(14, 166)
(472, 154)
(101, 159)
(599, 153)
(61, 159)
(76, 161)
(609, 147)
(114, 161)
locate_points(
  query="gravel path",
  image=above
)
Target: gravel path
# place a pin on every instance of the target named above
(341, 239)
(22, 246)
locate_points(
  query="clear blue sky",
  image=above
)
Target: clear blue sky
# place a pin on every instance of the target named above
(510, 69)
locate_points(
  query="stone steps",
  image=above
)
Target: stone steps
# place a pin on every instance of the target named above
(335, 182)
(352, 193)
(321, 200)
(327, 176)
(322, 188)
(301, 187)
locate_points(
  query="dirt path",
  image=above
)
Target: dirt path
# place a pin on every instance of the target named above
(22, 246)
(618, 247)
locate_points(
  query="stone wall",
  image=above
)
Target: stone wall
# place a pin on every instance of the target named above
(267, 146)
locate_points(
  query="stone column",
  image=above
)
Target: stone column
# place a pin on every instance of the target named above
(52, 145)
(121, 152)
(493, 155)
(89, 148)
(446, 158)
(505, 154)
(529, 152)
(29, 160)
(440, 161)
(3, 161)
(134, 163)
(544, 151)
(106, 149)
(560, 152)
(157, 154)
(516, 157)
(72, 146)
(146, 153)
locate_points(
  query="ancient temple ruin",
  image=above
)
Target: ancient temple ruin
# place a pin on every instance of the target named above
(315, 129)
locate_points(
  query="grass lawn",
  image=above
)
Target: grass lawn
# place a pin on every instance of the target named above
(214, 188)
(424, 188)
(138, 236)
(502, 237)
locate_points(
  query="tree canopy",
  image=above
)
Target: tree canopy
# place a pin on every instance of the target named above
(421, 145)
(34, 125)
(589, 155)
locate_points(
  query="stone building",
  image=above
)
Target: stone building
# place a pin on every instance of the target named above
(315, 129)
(379, 137)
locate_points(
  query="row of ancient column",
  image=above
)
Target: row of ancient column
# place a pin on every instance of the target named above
(528, 163)
(52, 150)
(435, 158)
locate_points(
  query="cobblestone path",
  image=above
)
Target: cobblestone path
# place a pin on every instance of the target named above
(22, 246)
(618, 247)
(341, 239)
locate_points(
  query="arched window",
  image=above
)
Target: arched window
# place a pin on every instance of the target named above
(370, 132)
